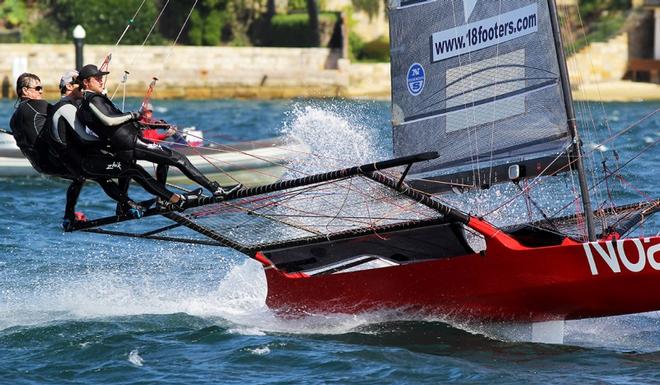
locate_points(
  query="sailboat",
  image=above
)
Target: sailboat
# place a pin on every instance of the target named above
(378, 236)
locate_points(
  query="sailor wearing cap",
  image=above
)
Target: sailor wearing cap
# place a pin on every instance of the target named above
(72, 145)
(121, 131)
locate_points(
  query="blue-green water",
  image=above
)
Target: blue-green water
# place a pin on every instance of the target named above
(90, 309)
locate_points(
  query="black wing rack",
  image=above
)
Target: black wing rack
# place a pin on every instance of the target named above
(328, 206)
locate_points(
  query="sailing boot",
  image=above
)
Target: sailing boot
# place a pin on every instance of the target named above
(68, 222)
(218, 191)
(185, 200)
(130, 209)
(188, 199)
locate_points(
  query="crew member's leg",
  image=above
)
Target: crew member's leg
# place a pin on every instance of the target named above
(161, 155)
(72, 194)
(161, 173)
(105, 167)
(125, 205)
(142, 177)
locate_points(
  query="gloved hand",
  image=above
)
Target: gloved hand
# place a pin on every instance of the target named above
(136, 115)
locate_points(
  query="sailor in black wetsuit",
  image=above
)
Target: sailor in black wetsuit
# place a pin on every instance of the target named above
(83, 154)
(121, 131)
(30, 126)
(27, 125)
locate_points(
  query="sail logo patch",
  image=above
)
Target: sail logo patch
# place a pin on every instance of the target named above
(613, 253)
(416, 79)
(484, 33)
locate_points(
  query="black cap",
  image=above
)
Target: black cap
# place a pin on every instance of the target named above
(89, 71)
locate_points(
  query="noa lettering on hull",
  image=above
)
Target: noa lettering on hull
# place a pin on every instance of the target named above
(615, 256)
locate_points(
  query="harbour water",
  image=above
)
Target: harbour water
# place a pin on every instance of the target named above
(89, 309)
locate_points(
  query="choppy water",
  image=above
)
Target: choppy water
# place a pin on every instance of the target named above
(89, 309)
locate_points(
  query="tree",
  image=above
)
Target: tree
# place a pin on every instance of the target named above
(313, 13)
(105, 20)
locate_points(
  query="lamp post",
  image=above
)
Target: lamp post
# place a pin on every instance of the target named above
(78, 40)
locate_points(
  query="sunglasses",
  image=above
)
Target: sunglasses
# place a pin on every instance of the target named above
(37, 88)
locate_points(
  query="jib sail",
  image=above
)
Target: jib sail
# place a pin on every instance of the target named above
(479, 82)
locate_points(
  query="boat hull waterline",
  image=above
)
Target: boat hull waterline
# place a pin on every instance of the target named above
(506, 282)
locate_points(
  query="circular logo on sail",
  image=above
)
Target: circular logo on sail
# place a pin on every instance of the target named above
(415, 79)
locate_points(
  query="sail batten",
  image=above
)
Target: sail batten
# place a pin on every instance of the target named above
(482, 88)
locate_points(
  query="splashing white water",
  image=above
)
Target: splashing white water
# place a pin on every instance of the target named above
(135, 359)
(260, 351)
(335, 137)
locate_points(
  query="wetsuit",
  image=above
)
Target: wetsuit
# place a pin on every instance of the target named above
(30, 125)
(86, 156)
(121, 131)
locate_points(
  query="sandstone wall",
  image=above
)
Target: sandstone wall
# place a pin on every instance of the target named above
(226, 72)
(600, 62)
(190, 71)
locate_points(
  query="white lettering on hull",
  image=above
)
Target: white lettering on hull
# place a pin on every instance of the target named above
(612, 255)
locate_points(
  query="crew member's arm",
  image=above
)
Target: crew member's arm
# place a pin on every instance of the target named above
(107, 114)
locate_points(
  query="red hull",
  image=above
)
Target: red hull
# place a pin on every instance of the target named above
(507, 282)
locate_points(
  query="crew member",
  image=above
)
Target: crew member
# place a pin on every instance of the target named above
(28, 125)
(121, 131)
(151, 127)
(86, 156)
(63, 134)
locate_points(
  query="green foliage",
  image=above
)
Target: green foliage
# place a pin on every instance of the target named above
(377, 50)
(206, 23)
(46, 31)
(293, 30)
(590, 9)
(294, 6)
(371, 7)
(196, 31)
(297, 5)
(104, 21)
(213, 28)
(216, 21)
(13, 13)
(600, 30)
(355, 44)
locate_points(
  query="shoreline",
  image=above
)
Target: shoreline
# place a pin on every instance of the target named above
(258, 73)
(613, 91)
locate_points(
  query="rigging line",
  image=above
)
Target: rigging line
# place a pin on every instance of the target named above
(492, 127)
(234, 149)
(585, 112)
(463, 70)
(529, 186)
(330, 203)
(130, 22)
(256, 170)
(631, 126)
(600, 98)
(147, 98)
(153, 25)
(638, 191)
(228, 148)
(569, 165)
(614, 172)
(244, 152)
(130, 64)
(176, 40)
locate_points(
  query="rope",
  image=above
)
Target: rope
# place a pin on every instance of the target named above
(612, 173)
(130, 22)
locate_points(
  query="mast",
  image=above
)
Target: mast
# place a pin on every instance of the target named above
(572, 125)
